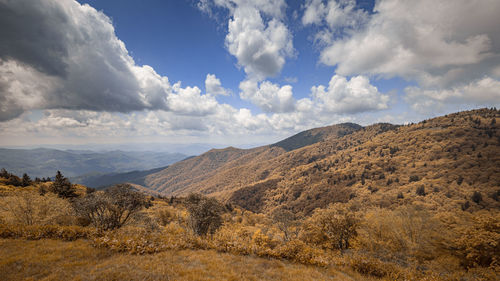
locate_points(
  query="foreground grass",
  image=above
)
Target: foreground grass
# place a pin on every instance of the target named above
(48, 259)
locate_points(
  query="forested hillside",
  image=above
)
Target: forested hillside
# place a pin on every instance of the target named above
(444, 163)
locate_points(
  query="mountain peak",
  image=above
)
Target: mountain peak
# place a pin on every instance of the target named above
(316, 135)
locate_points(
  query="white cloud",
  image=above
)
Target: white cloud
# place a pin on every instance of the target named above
(213, 86)
(268, 96)
(261, 42)
(199, 117)
(443, 46)
(64, 55)
(260, 48)
(482, 92)
(189, 101)
(418, 39)
(336, 14)
(349, 96)
(22, 87)
(314, 13)
(256, 36)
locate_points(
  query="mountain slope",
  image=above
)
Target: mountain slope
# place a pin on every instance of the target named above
(447, 162)
(220, 170)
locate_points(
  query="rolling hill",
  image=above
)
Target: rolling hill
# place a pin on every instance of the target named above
(43, 162)
(101, 180)
(446, 162)
(219, 171)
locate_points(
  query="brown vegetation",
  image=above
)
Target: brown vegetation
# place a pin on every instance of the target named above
(442, 163)
(366, 205)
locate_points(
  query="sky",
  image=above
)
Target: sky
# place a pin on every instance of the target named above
(236, 72)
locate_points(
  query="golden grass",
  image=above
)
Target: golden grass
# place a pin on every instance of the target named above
(57, 260)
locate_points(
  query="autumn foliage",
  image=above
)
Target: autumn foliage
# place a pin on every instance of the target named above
(367, 208)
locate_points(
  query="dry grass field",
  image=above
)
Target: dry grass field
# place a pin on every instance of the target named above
(49, 259)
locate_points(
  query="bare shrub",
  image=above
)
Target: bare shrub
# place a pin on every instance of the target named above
(285, 221)
(205, 214)
(404, 233)
(29, 208)
(111, 208)
(165, 216)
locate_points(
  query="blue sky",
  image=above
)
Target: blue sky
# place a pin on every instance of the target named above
(237, 72)
(186, 44)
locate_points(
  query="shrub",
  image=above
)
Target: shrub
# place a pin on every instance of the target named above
(331, 228)
(284, 219)
(465, 205)
(4, 174)
(165, 216)
(369, 266)
(421, 190)
(406, 233)
(413, 178)
(111, 208)
(478, 243)
(477, 197)
(205, 214)
(29, 208)
(36, 232)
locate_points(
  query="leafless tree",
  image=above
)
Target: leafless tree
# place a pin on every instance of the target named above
(111, 208)
(205, 214)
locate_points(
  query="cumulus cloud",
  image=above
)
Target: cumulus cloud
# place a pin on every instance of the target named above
(261, 42)
(213, 86)
(189, 101)
(200, 117)
(335, 14)
(268, 96)
(482, 92)
(412, 40)
(256, 36)
(60, 54)
(444, 47)
(349, 96)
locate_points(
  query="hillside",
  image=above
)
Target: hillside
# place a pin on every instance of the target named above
(220, 171)
(446, 162)
(42, 162)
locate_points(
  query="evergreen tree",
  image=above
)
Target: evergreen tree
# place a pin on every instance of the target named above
(4, 174)
(26, 180)
(62, 187)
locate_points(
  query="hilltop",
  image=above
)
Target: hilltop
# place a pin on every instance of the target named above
(447, 162)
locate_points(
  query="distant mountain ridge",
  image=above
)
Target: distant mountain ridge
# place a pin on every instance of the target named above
(218, 170)
(43, 162)
(439, 162)
(102, 180)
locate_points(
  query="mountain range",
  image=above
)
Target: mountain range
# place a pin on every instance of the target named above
(444, 162)
(43, 162)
